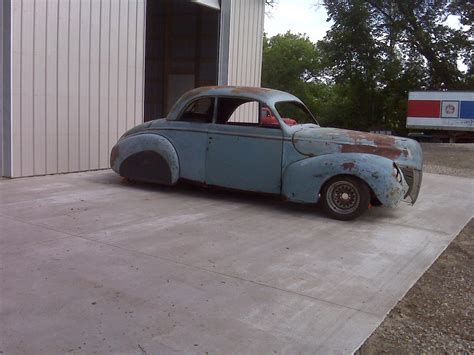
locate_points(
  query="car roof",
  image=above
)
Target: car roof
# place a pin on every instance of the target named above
(268, 96)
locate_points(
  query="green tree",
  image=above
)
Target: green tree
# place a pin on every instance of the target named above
(290, 63)
(352, 58)
(465, 10)
(379, 50)
(375, 52)
(420, 29)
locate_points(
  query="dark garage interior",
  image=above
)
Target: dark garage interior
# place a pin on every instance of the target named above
(182, 40)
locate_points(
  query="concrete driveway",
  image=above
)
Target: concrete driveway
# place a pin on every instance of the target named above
(90, 263)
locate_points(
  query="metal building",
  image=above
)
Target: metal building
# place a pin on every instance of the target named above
(76, 74)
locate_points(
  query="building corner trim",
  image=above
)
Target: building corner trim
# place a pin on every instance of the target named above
(6, 91)
(224, 38)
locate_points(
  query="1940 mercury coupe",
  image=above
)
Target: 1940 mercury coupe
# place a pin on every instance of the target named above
(267, 141)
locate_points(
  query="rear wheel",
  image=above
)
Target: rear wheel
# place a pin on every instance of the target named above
(345, 198)
(146, 166)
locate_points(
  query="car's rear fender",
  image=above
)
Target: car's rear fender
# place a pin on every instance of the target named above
(303, 180)
(146, 157)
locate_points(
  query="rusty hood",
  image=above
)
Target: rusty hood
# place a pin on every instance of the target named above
(313, 141)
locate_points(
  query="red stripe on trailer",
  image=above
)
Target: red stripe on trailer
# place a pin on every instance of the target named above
(424, 108)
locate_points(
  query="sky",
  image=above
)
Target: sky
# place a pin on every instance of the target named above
(299, 16)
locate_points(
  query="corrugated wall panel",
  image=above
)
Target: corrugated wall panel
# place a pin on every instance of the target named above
(245, 51)
(246, 42)
(27, 63)
(51, 101)
(122, 66)
(140, 62)
(84, 83)
(5, 53)
(74, 81)
(113, 77)
(131, 64)
(16, 85)
(39, 82)
(77, 81)
(104, 88)
(94, 79)
(63, 87)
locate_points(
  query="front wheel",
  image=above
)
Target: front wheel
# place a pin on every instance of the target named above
(345, 198)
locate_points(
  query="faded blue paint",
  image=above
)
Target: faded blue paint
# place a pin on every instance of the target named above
(136, 129)
(190, 140)
(294, 161)
(244, 158)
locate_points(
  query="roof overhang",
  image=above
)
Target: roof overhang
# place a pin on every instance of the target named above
(213, 4)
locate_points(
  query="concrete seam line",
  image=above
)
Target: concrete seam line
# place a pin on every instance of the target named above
(366, 219)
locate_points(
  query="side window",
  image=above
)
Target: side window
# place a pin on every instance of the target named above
(244, 112)
(294, 113)
(267, 118)
(265, 112)
(200, 110)
(247, 112)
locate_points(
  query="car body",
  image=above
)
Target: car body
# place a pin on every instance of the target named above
(200, 140)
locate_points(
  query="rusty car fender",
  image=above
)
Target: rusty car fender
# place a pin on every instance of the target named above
(303, 180)
(146, 157)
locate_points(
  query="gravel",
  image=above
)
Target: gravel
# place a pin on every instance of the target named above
(449, 159)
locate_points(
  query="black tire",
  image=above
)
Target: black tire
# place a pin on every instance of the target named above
(345, 198)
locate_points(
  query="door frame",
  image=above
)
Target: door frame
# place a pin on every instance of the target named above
(214, 130)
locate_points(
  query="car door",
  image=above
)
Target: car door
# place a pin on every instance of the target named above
(188, 135)
(242, 154)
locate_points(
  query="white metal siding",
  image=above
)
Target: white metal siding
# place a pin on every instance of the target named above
(246, 42)
(245, 50)
(77, 81)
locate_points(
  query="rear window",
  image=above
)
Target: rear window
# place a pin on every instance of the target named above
(201, 111)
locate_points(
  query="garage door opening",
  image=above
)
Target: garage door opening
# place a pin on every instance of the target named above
(182, 52)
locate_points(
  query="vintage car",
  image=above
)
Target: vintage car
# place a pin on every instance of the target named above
(228, 137)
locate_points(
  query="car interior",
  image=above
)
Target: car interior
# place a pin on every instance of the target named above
(252, 113)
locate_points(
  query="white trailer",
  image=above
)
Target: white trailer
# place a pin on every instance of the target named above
(441, 115)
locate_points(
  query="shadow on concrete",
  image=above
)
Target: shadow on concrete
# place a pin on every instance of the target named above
(200, 191)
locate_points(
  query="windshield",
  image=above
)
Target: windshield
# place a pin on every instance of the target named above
(294, 112)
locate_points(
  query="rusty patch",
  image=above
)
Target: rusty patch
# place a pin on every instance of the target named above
(248, 90)
(393, 193)
(388, 152)
(378, 139)
(348, 166)
(197, 92)
(238, 90)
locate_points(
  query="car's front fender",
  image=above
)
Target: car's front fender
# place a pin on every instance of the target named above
(146, 157)
(303, 180)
